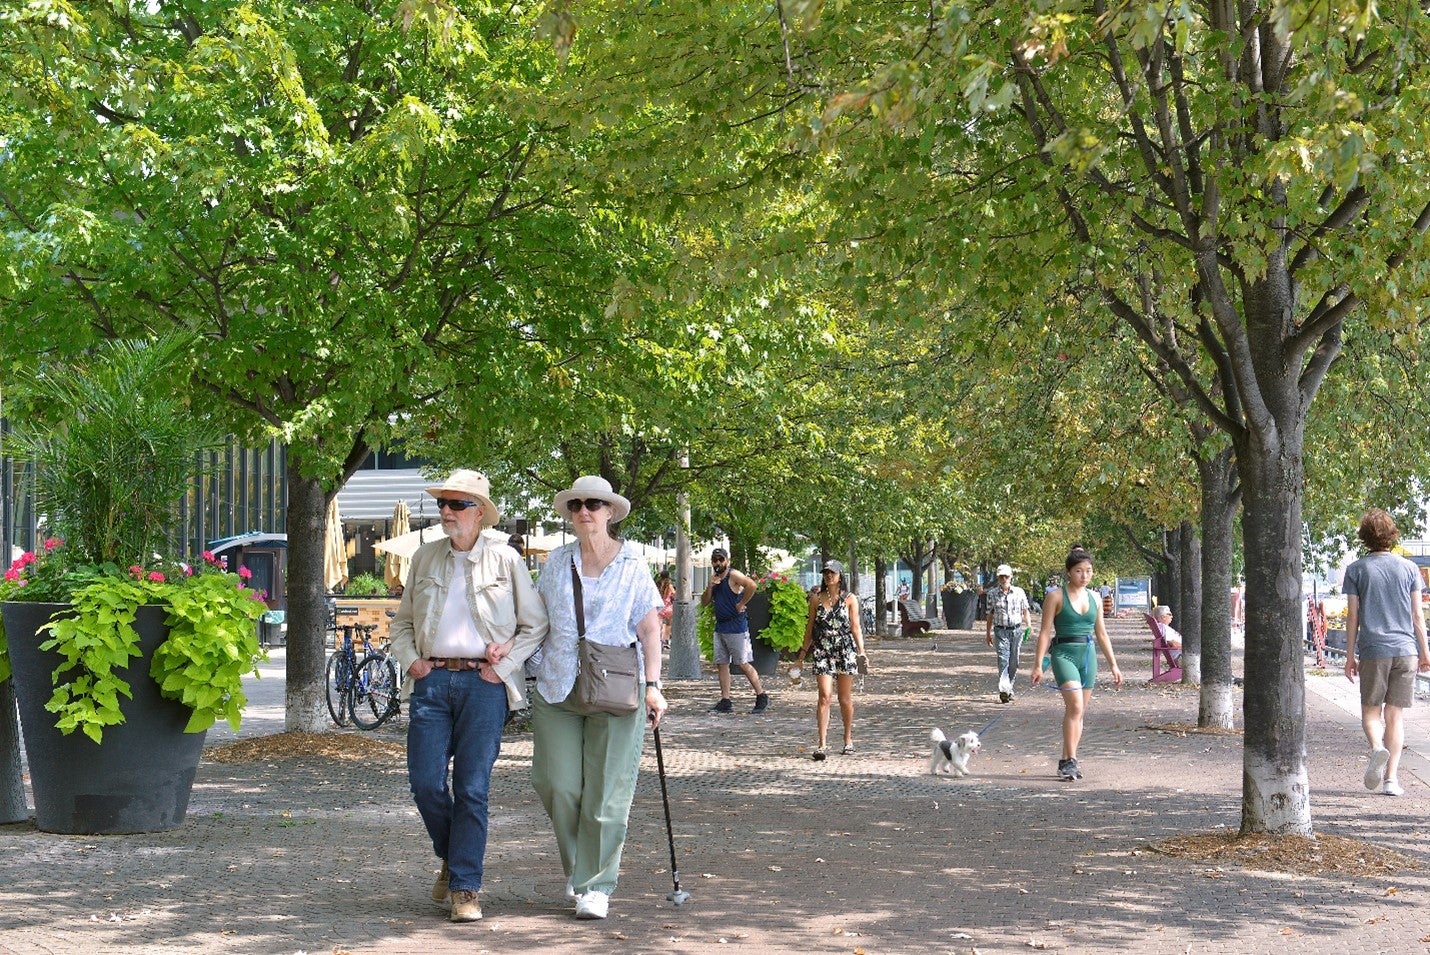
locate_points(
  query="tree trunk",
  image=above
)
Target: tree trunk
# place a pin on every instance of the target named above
(880, 614)
(1189, 618)
(306, 708)
(1169, 578)
(1276, 791)
(684, 644)
(1212, 664)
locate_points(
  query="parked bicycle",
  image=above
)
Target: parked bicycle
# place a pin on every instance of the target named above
(363, 691)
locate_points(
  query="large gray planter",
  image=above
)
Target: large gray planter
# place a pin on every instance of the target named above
(140, 778)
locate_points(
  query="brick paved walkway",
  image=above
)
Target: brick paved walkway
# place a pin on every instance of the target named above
(780, 854)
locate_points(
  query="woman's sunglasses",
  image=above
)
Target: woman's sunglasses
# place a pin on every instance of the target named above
(453, 504)
(590, 503)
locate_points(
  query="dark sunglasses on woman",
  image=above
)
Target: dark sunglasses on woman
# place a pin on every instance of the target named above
(590, 503)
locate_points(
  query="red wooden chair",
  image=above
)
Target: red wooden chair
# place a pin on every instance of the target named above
(1166, 662)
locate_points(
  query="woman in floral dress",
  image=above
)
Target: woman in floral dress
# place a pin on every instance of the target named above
(832, 630)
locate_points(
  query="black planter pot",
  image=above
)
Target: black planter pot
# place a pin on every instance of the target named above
(767, 658)
(140, 778)
(1336, 640)
(959, 609)
(757, 611)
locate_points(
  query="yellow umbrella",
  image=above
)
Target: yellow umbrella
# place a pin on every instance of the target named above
(395, 566)
(335, 558)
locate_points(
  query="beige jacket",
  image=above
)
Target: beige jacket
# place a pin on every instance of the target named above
(503, 601)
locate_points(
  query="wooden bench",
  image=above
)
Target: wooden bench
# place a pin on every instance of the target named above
(912, 619)
(1166, 659)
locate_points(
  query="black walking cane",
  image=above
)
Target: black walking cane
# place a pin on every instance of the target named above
(679, 896)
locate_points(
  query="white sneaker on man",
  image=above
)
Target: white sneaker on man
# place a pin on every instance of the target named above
(1393, 788)
(593, 905)
(1375, 772)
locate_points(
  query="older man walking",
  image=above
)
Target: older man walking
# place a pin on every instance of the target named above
(469, 618)
(1008, 619)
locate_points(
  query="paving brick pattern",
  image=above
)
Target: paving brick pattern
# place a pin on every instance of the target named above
(779, 853)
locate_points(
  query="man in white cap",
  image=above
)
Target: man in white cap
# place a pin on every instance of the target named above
(1008, 619)
(469, 618)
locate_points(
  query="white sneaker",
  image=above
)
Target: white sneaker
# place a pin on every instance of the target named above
(1393, 788)
(593, 905)
(1375, 772)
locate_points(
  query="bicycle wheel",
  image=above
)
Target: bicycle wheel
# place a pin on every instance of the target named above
(375, 692)
(339, 690)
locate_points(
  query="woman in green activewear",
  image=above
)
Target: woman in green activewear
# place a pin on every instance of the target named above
(1072, 620)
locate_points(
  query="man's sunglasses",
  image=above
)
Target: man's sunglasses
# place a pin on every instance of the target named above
(454, 504)
(590, 504)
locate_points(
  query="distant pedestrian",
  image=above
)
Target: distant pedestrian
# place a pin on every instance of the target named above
(1072, 620)
(728, 594)
(666, 589)
(1385, 634)
(1007, 619)
(832, 631)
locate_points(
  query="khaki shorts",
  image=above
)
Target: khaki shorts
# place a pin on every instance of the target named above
(1388, 680)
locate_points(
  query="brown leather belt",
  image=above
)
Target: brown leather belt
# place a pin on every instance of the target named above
(456, 663)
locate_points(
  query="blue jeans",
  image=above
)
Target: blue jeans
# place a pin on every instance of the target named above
(456, 715)
(1007, 641)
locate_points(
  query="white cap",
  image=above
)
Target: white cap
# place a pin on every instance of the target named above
(1003, 571)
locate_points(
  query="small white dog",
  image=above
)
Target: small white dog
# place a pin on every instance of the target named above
(952, 756)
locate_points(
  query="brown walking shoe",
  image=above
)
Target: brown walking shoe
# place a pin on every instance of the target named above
(465, 907)
(439, 888)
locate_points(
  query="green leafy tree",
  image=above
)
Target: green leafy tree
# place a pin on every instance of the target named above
(353, 207)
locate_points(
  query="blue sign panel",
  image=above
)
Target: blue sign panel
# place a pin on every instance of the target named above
(1135, 594)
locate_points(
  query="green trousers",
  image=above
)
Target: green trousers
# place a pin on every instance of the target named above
(584, 769)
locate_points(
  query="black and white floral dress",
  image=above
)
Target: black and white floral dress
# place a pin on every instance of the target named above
(833, 640)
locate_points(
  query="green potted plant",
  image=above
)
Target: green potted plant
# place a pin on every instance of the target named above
(120, 659)
(778, 612)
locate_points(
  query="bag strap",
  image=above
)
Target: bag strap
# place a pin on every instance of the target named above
(579, 599)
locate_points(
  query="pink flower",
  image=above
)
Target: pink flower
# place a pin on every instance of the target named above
(245, 573)
(208, 555)
(260, 596)
(52, 542)
(28, 557)
(155, 576)
(136, 570)
(12, 575)
(188, 571)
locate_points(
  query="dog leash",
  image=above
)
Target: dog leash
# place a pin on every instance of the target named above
(989, 726)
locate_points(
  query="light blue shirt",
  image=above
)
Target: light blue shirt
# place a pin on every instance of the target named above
(614, 602)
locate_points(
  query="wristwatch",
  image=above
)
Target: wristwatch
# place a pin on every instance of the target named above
(652, 683)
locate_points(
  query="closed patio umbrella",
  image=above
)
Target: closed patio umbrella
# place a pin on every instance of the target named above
(405, 545)
(335, 557)
(395, 567)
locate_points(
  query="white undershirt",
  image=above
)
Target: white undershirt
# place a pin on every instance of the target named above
(457, 634)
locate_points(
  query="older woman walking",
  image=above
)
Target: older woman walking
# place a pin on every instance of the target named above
(584, 765)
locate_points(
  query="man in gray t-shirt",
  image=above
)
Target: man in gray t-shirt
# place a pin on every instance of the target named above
(1385, 644)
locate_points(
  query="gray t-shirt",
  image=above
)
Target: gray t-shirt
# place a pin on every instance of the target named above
(1386, 586)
